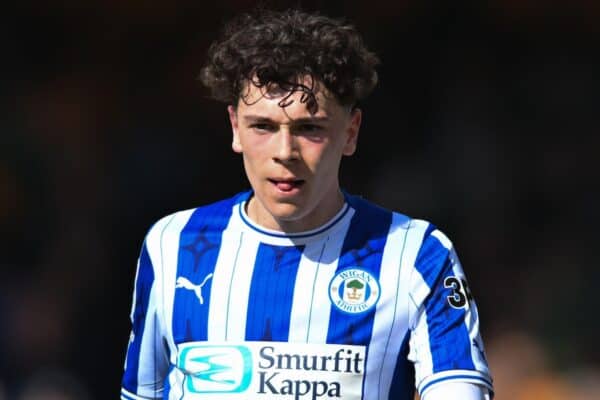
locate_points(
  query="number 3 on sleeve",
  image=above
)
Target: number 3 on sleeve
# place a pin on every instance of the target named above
(461, 294)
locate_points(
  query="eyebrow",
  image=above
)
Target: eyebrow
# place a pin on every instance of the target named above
(258, 118)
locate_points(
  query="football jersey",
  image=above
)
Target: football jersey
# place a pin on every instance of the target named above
(372, 305)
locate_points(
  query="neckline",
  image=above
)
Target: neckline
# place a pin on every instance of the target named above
(291, 235)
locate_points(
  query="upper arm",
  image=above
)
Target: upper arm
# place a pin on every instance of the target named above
(445, 343)
(146, 361)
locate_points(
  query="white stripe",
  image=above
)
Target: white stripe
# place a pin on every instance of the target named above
(321, 304)
(152, 362)
(239, 290)
(303, 299)
(439, 235)
(420, 352)
(176, 383)
(235, 263)
(217, 312)
(311, 307)
(402, 246)
(164, 243)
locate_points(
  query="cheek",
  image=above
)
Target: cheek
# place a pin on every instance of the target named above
(254, 164)
(255, 147)
(249, 163)
(324, 158)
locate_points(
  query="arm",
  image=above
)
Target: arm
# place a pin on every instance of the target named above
(147, 361)
(445, 344)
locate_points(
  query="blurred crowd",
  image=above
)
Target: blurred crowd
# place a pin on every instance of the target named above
(484, 123)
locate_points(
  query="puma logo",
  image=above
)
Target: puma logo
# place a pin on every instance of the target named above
(197, 289)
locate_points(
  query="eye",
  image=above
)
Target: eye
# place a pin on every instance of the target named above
(309, 128)
(264, 127)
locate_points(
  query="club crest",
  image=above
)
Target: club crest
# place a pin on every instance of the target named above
(354, 290)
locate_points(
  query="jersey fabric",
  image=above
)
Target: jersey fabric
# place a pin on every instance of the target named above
(372, 305)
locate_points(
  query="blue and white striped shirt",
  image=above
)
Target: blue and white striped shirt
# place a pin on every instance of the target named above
(372, 305)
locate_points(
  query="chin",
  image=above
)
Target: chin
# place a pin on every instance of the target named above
(286, 212)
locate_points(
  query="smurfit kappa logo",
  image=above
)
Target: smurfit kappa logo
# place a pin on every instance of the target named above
(354, 290)
(216, 369)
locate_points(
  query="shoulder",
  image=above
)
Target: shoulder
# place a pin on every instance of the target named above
(425, 233)
(213, 216)
(428, 248)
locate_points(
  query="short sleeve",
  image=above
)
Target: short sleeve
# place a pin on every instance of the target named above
(146, 362)
(445, 342)
(453, 390)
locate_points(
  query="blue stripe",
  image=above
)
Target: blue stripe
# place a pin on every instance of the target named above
(362, 248)
(272, 292)
(167, 387)
(143, 285)
(199, 245)
(449, 340)
(446, 378)
(431, 258)
(403, 382)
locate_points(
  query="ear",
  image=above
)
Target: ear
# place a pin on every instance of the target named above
(352, 132)
(235, 143)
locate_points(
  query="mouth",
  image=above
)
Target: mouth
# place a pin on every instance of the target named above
(287, 185)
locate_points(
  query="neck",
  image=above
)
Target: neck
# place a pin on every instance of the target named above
(296, 221)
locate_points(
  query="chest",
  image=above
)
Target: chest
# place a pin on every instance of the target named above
(235, 288)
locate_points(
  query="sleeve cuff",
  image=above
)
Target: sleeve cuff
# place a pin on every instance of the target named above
(469, 376)
(127, 395)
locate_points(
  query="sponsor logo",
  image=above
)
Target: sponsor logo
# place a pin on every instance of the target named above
(354, 290)
(183, 282)
(216, 369)
(271, 370)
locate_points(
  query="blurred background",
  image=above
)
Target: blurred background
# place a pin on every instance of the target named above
(484, 122)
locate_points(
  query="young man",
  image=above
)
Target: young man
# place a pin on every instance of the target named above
(296, 289)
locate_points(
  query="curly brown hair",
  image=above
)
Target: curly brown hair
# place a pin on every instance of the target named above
(281, 48)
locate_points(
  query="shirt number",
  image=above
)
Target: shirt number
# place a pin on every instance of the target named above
(461, 294)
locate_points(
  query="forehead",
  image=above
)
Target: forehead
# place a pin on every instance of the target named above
(301, 99)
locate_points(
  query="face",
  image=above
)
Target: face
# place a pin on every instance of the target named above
(292, 156)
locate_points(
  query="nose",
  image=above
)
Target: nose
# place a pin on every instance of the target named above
(286, 146)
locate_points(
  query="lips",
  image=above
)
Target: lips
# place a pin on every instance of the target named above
(287, 185)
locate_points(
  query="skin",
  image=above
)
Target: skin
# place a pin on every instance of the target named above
(292, 157)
